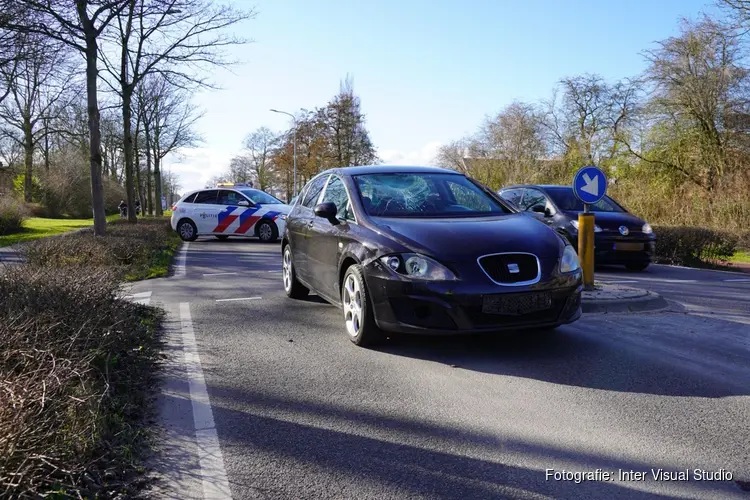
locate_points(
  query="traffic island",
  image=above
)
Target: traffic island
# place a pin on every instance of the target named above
(612, 298)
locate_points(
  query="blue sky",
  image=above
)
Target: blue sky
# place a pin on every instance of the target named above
(427, 71)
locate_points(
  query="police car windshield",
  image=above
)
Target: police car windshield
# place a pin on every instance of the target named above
(260, 197)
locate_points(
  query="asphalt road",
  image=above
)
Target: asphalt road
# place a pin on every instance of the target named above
(299, 412)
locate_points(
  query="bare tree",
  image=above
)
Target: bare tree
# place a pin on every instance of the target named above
(80, 25)
(168, 125)
(175, 38)
(259, 147)
(36, 87)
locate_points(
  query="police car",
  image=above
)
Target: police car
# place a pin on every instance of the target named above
(229, 210)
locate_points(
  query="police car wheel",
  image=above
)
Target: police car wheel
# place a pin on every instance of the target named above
(187, 230)
(267, 232)
(358, 315)
(293, 288)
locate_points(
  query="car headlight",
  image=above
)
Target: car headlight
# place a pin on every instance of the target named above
(283, 216)
(417, 266)
(574, 223)
(647, 229)
(569, 261)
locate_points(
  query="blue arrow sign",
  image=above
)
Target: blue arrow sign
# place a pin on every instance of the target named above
(590, 184)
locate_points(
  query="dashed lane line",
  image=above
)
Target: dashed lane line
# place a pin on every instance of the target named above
(180, 268)
(238, 298)
(219, 274)
(213, 474)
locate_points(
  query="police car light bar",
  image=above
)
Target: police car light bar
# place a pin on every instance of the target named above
(233, 184)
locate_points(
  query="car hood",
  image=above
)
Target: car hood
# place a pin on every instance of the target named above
(612, 220)
(276, 207)
(454, 240)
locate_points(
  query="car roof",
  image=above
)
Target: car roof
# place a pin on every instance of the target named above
(390, 169)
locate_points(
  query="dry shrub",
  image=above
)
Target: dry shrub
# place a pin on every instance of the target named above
(12, 215)
(72, 360)
(694, 245)
(127, 248)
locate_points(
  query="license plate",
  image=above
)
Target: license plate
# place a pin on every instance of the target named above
(629, 247)
(516, 304)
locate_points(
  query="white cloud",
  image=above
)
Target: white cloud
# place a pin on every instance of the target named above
(195, 167)
(423, 156)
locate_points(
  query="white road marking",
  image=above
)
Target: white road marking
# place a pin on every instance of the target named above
(275, 271)
(213, 475)
(665, 280)
(140, 298)
(739, 280)
(239, 298)
(218, 274)
(180, 269)
(619, 281)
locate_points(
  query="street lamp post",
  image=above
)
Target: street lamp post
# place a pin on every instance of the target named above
(294, 147)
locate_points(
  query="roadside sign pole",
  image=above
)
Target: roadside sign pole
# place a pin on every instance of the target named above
(586, 246)
(589, 186)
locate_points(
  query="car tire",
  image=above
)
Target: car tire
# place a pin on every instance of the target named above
(222, 237)
(639, 266)
(267, 231)
(359, 319)
(187, 230)
(292, 287)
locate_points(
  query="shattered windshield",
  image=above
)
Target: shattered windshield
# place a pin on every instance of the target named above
(424, 195)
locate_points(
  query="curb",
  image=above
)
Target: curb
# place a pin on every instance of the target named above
(643, 301)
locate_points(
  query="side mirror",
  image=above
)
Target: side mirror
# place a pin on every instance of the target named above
(326, 210)
(539, 209)
(243, 203)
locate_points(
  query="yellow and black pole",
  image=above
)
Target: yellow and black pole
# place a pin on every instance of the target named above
(589, 186)
(586, 246)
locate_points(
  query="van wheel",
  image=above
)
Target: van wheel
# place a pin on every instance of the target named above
(358, 314)
(187, 230)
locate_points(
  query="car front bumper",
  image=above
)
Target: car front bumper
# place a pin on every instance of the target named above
(606, 249)
(454, 308)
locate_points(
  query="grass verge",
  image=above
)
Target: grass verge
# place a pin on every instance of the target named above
(78, 363)
(34, 228)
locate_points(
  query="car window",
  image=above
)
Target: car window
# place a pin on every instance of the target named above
(336, 193)
(190, 198)
(207, 197)
(313, 192)
(532, 198)
(227, 197)
(513, 196)
(261, 197)
(425, 195)
(565, 199)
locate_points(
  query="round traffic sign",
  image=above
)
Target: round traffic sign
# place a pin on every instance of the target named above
(590, 184)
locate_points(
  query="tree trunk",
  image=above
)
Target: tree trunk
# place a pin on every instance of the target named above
(127, 94)
(149, 200)
(95, 138)
(157, 185)
(28, 146)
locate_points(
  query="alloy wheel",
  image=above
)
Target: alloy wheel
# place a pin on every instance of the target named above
(352, 305)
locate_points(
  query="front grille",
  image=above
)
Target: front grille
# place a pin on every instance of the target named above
(498, 267)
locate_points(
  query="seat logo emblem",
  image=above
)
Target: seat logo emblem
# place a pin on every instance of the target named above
(624, 231)
(513, 269)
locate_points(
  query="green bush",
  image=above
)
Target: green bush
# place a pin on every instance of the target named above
(12, 215)
(20, 188)
(692, 246)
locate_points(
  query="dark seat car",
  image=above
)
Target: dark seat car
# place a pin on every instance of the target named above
(425, 250)
(620, 238)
